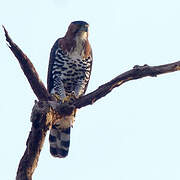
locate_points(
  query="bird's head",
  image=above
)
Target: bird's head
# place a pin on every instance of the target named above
(78, 30)
(75, 40)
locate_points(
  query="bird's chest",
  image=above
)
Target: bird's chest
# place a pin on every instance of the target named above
(73, 70)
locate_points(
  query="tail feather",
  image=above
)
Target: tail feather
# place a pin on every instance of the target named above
(59, 141)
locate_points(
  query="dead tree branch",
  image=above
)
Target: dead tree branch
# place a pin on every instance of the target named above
(42, 113)
(40, 124)
(42, 94)
(29, 70)
(136, 73)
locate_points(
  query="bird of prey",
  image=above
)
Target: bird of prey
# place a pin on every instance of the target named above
(69, 72)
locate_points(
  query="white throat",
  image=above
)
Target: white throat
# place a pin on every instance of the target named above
(78, 51)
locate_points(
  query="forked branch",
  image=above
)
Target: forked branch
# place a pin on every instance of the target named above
(42, 94)
(42, 115)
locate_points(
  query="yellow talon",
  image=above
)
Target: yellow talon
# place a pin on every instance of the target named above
(57, 97)
(69, 97)
(66, 99)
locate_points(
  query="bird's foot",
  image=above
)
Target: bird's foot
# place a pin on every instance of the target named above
(66, 99)
(61, 100)
(57, 97)
(71, 97)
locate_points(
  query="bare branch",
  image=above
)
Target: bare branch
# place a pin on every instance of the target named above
(136, 73)
(39, 89)
(28, 69)
(41, 121)
(43, 112)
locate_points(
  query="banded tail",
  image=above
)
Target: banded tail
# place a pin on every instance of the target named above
(59, 141)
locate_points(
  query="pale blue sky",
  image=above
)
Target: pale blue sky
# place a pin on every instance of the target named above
(131, 134)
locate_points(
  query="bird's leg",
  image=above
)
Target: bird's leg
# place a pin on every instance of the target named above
(71, 97)
(56, 96)
(79, 89)
(58, 91)
(67, 98)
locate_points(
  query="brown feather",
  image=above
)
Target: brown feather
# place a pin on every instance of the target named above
(88, 51)
(68, 42)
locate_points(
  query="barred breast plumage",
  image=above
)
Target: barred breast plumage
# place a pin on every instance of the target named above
(69, 73)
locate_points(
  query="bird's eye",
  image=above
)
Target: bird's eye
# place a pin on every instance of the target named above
(76, 30)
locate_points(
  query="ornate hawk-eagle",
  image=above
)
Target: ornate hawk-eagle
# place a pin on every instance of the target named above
(68, 76)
